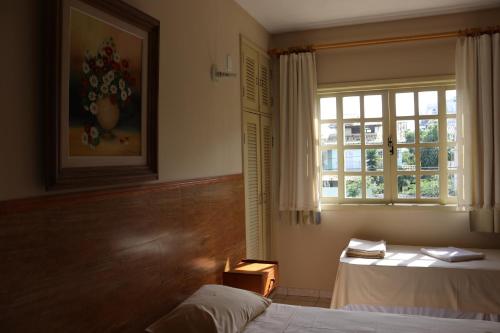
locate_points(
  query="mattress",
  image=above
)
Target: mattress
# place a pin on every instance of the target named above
(294, 319)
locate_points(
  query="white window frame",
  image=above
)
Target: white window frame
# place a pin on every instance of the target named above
(388, 89)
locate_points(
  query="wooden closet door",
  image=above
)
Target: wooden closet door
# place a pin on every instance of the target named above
(265, 95)
(266, 136)
(253, 187)
(250, 74)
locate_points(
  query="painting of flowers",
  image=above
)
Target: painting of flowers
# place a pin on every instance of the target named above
(105, 68)
(101, 94)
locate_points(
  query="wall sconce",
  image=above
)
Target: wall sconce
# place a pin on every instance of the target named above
(217, 74)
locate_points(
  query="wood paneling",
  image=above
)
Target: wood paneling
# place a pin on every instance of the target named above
(115, 260)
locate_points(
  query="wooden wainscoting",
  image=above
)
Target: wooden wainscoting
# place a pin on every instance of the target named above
(115, 260)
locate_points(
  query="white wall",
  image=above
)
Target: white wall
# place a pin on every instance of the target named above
(308, 254)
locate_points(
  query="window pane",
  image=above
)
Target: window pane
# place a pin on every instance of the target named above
(352, 160)
(429, 130)
(406, 159)
(429, 186)
(404, 104)
(452, 185)
(329, 134)
(374, 133)
(428, 103)
(353, 186)
(451, 101)
(452, 158)
(451, 129)
(429, 158)
(375, 187)
(407, 187)
(352, 133)
(374, 160)
(406, 131)
(328, 107)
(373, 106)
(351, 107)
(330, 186)
(330, 160)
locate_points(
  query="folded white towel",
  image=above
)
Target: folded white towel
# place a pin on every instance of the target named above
(452, 254)
(366, 249)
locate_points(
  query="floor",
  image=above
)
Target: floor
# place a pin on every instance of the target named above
(301, 300)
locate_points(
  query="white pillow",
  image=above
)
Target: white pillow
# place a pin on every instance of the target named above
(213, 309)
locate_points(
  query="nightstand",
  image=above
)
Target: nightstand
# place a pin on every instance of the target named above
(259, 276)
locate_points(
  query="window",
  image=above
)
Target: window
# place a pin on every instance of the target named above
(388, 144)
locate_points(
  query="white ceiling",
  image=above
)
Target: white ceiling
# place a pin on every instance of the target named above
(292, 15)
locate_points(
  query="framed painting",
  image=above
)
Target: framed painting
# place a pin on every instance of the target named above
(102, 94)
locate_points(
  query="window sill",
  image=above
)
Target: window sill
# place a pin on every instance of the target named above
(452, 208)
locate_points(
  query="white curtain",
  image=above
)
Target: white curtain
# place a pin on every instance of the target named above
(478, 122)
(298, 194)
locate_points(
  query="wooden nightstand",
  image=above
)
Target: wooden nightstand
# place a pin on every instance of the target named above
(259, 276)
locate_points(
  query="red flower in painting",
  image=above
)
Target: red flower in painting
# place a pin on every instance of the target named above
(112, 98)
(85, 83)
(125, 63)
(105, 60)
(92, 63)
(108, 50)
(116, 66)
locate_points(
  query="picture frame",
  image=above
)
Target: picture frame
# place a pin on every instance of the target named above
(101, 94)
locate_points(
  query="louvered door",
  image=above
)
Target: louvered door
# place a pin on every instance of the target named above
(250, 73)
(265, 97)
(252, 174)
(266, 140)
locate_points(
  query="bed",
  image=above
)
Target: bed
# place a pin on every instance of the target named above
(221, 309)
(409, 282)
(285, 318)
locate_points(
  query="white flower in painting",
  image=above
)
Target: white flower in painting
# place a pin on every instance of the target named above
(105, 80)
(92, 147)
(92, 96)
(88, 55)
(99, 62)
(94, 133)
(104, 89)
(93, 81)
(86, 68)
(85, 138)
(113, 89)
(111, 76)
(116, 57)
(129, 91)
(124, 95)
(93, 108)
(121, 83)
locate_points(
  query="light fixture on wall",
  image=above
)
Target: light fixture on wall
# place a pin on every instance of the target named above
(217, 74)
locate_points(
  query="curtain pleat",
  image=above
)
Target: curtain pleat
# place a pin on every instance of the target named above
(298, 190)
(478, 123)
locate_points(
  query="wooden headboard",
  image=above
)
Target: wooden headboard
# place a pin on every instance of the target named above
(115, 260)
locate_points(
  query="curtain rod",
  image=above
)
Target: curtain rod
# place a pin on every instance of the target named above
(381, 41)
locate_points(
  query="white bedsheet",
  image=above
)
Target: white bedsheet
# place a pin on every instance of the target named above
(407, 279)
(294, 319)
